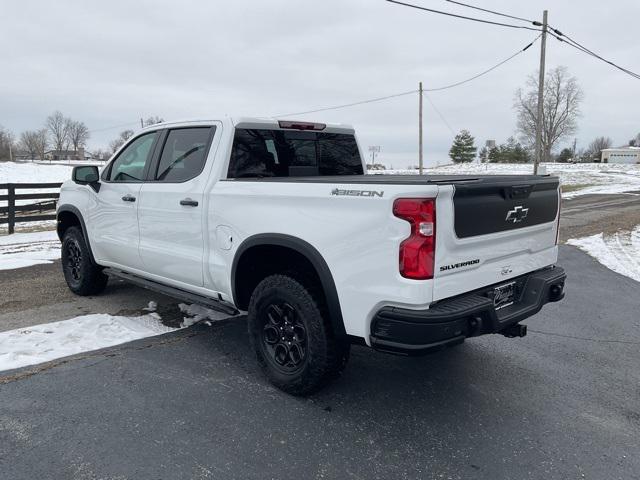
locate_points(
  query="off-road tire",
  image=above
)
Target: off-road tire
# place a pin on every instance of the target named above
(302, 311)
(82, 275)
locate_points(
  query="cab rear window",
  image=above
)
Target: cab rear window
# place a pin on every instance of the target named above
(284, 153)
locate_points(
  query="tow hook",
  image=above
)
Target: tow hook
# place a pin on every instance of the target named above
(513, 331)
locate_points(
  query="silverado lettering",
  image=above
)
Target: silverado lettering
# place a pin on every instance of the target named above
(458, 265)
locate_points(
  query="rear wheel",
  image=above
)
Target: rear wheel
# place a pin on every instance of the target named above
(82, 275)
(292, 337)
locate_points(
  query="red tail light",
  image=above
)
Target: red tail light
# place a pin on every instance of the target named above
(417, 252)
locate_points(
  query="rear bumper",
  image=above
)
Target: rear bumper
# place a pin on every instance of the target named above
(449, 322)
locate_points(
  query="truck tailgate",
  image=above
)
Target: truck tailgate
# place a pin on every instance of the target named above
(490, 230)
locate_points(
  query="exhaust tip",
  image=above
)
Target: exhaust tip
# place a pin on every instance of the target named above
(556, 292)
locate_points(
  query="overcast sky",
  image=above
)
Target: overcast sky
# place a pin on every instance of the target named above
(110, 62)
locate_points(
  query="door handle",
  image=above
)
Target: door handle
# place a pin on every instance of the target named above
(188, 202)
(129, 198)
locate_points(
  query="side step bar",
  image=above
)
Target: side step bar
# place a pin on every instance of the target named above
(217, 305)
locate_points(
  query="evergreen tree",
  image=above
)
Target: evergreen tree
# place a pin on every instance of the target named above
(483, 155)
(510, 152)
(463, 149)
(566, 154)
(494, 155)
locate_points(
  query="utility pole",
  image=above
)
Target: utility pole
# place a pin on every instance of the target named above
(543, 48)
(141, 123)
(420, 164)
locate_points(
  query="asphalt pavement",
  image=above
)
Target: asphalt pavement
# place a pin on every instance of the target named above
(563, 402)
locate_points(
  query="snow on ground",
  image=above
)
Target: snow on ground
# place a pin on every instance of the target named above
(25, 249)
(39, 226)
(50, 341)
(197, 313)
(620, 252)
(594, 178)
(72, 163)
(18, 172)
(43, 343)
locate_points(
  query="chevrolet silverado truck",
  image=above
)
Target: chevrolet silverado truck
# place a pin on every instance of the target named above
(279, 219)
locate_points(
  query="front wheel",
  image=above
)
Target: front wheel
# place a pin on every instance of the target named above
(82, 275)
(291, 335)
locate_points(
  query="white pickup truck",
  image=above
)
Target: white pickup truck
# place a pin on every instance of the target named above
(278, 219)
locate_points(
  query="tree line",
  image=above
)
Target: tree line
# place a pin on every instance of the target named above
(562, 97)
(60, 133)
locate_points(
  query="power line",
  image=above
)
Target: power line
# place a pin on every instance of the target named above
(114, 127)
(445, 87)
(484, 72)
(492, 11)
(444, 120)
(335, 107)
(552, 31)
(558, 35)
(509, 25)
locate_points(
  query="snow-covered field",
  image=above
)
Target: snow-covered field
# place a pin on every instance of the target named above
(620, 252)
(50, 341)
(17, 172)
(590, 178)
(72, 163)
(25, 249)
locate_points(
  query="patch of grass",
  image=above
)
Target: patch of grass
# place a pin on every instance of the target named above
(573, 188)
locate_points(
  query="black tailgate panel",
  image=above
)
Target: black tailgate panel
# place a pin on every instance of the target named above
(490, 207)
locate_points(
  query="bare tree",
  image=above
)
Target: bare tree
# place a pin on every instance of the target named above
(635, 141)
(78, 134)
(560, 109)
(58, 126)
(27, 142)
(153, 120)
(35, 142)
(42, 142)
(595, 148)
(122, 138)
(6, 144)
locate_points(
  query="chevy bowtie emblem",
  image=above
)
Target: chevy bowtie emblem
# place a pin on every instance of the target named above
(517, 215)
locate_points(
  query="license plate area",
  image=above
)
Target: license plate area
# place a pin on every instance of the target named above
(504, 295)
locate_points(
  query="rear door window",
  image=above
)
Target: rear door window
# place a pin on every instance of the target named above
(184, 154)
(285, 153)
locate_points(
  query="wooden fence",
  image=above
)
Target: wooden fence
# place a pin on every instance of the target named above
(31, 212)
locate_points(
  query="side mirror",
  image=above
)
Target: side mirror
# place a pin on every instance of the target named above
(86, 175)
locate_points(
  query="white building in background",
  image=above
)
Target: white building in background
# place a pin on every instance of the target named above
(621, 155)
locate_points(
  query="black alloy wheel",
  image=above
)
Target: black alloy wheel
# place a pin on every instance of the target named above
(284, 337)
(82, 274)
(73, 264)
(291, 334)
